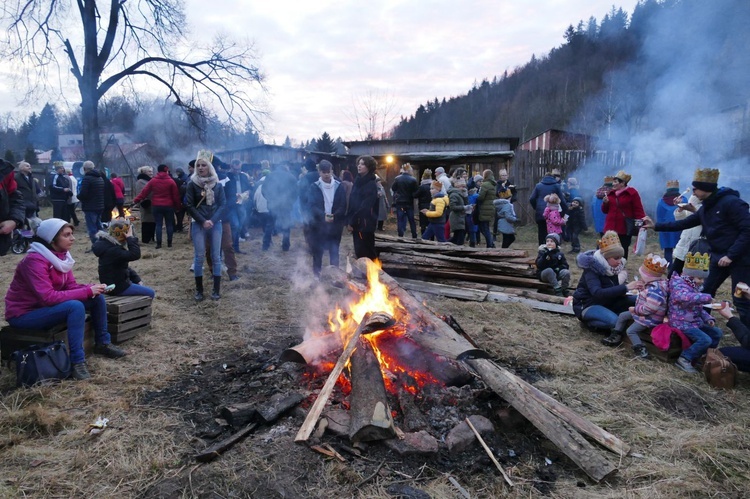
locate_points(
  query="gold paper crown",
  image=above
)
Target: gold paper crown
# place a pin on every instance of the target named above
(609, 239)
(655, 264)
(673, 184)
(709, 175)
(119, 227)
(623, 176)
(205, 154)
(697, 262)
(608, 179)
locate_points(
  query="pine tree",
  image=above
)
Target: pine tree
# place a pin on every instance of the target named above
(9, 156)
(29, 155)
(325, 143)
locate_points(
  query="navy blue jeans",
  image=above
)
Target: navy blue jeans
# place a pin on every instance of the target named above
(484, 228)
(163, 214)
(73, 313)
(236, 215)
(435, 230)
(703, 338)
(405, 214)
(93, 224)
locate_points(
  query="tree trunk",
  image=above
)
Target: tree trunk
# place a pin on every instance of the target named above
(92, 145)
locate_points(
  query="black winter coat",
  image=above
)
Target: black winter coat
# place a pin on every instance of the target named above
(114, 260)
(726, 225)
(11, 203)
(27, 188)
(547, 259)
(362, 214)
(91, 193)
(595, 286)
(58, 184)
(316, 204)
(423, 194)
(404, 189)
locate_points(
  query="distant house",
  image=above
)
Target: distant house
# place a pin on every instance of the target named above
(559, 140)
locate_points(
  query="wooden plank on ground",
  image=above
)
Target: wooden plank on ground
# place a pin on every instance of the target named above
(442, 290)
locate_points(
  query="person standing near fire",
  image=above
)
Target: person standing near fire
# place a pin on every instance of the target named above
(362, 214)
(148, 226)
(91, 195)
(327, 203)
(119, 187)
(165, 199)
(59, 192)
(205, 202)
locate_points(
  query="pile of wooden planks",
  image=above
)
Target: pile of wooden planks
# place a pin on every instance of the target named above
(464, 273)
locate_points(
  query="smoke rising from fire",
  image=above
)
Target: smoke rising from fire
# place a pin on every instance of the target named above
(683, 103)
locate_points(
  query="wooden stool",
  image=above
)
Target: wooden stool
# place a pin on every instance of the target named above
(13, 338)
(670, 356)
(127, 316)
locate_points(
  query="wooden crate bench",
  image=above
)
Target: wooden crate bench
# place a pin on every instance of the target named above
(671, 355)
(127, 316)
(13, 338)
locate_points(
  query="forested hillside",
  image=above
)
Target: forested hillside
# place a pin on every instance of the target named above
(601, 78)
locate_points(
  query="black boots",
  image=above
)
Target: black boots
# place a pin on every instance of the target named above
(80, 372)
(216, 293)
(613, 340)
(559, 291)
(199, 289)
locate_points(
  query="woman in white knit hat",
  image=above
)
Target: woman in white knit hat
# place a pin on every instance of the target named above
(45, 293)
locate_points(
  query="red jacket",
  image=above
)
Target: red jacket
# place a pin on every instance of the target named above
(163, 190)
(625, 204)
(119, 186)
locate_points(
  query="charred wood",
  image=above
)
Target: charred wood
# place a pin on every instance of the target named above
(370, 413)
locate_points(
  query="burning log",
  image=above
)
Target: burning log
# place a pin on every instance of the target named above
(312, 348)
(570, 442)
(371, 322)
(439, 338)
(370, 414)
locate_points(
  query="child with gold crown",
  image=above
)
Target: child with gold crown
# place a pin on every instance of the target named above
(650, 306)
(686, 311)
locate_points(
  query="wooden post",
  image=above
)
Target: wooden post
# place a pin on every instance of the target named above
(370, 322)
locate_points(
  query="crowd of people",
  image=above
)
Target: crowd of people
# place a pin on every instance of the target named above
(223, 201)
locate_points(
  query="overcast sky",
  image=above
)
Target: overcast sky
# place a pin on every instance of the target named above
(319, 55)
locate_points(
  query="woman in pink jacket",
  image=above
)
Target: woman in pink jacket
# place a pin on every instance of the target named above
(45, 293)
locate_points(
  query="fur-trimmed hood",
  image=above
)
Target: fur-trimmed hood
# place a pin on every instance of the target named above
(595, 261)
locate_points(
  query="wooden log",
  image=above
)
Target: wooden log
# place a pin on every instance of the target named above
(457, 263)
(370, 413)
(313, 348)
(216, 450)
(452, 249)
(570, 442)
(239, 415)
(370, 322)
(535, 304)
(489, 278)
(439, 337)
(279, 404)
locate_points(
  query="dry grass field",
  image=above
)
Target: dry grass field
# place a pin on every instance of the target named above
(688, 439)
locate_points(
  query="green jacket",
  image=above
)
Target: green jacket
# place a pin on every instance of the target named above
(458, 201)
(485, 199)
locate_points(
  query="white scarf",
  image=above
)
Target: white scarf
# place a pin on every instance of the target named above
(608, 269)
(63, 266)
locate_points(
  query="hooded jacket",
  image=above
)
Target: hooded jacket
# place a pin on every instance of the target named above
(550, 259)
(404, 190)
(485, 200)
(596, 286)
(686, 309)
(163, 190)
(506, 216)
(651, 304)
(318, 211)
(423, 195)
(457, 202)
(362, 213)
(437, 213)
(726, 225)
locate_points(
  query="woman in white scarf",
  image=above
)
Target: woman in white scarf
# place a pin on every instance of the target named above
(205, 202)
(44, 293)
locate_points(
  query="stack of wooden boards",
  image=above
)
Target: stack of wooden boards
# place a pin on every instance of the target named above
(127, 316)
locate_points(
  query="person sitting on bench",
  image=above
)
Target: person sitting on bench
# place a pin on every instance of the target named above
(44, 293)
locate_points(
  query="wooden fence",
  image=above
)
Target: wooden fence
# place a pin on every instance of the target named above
(529, 167)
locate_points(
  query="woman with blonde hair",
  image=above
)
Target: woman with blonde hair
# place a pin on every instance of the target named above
(205, 202)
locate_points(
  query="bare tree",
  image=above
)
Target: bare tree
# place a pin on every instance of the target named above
(108, 42)
(373, 113)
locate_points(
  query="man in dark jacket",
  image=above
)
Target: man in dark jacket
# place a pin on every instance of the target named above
(11, 206)
(237, 191)
(548, 185)
(91, 195)
(404, 190)
(59, 192)
(726, 226)
(327, 202)
(28, 189)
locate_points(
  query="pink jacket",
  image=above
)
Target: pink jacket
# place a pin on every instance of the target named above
(554, 220)
(37, 284)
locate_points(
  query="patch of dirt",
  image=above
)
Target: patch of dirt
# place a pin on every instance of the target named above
(684, 402)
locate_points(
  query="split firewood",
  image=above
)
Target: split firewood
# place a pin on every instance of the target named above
(371, 322)
(370, 413)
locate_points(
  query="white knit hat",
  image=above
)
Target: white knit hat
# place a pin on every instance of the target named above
(49, 228)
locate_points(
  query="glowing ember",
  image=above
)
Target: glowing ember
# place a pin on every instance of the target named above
(126, 212)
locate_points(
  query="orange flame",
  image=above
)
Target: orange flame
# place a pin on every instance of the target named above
(377, 299)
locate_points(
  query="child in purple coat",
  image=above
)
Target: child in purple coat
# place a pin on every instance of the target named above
(686, 311)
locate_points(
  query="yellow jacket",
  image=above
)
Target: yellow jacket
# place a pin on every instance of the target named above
(438, 211)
